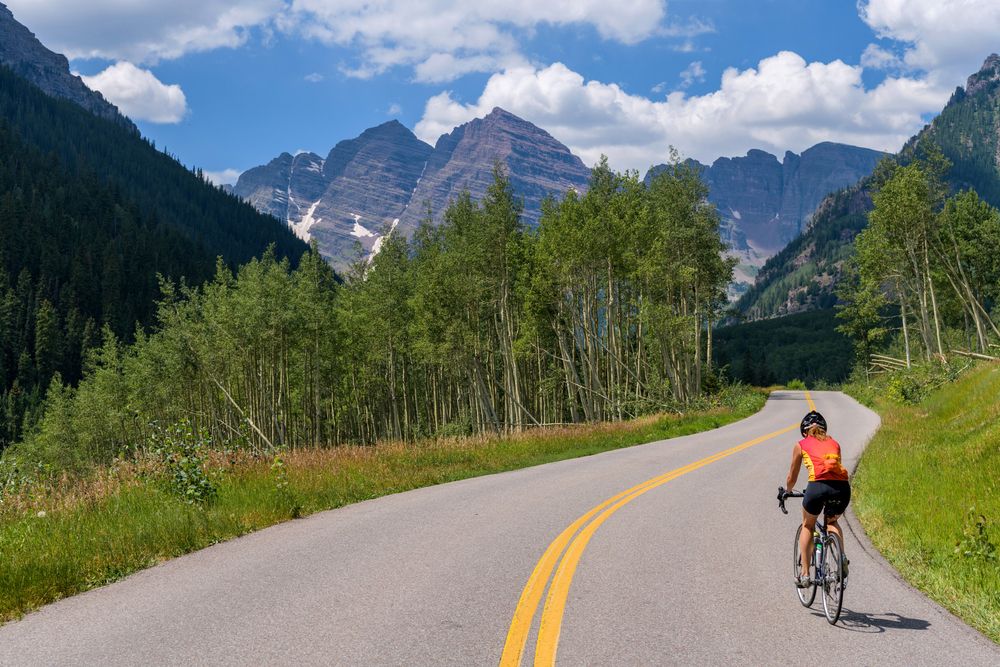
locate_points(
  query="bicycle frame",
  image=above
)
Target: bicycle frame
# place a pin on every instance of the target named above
(821, 537)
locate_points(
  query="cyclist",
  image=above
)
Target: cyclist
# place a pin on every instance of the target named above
(828, 490)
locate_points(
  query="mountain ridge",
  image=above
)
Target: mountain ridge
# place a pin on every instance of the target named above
(386, 178)
(764, 203)
(27, 57)
(350, 199)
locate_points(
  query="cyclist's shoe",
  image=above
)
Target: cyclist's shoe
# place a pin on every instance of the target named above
(803, 581)
(846, 563)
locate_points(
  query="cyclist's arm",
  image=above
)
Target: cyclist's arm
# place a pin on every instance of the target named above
(793, 473)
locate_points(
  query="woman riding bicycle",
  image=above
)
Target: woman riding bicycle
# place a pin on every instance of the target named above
(828, 490)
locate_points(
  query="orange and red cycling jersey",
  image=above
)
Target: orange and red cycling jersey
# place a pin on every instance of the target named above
(822, 459)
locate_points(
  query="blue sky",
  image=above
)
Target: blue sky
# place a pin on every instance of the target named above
(226, 85)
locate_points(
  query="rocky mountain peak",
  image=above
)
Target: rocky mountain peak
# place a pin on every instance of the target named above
(21, 51)
(537, 164)
(501, 115)
(385, 178)
(986, 77)
(392, 129)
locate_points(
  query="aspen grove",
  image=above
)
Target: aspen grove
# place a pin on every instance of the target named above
(477, 324)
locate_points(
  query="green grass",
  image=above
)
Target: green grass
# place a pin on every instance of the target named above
(112, 528)
(917, 483)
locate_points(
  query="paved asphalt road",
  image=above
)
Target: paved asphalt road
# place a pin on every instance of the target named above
(695, 571)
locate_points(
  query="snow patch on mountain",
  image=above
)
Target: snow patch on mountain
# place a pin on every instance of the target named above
(302, 227)
(360, 230)
(378, 241)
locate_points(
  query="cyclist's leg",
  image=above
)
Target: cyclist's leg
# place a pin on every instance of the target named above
(833, 527)
(835, 506)
(805, 541)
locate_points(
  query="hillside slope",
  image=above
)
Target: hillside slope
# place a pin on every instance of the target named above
(21, 51)
(926, 491)
(90, 215)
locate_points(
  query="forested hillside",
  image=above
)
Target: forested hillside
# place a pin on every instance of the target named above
(90, 213)
(805, 346)
(480, 324)
(805, 274)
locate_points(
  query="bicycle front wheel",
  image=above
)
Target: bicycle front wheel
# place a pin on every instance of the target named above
(833, 577)
(806, 595)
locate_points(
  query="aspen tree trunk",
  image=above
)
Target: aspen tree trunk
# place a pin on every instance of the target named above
(930, 287)
(906, 333)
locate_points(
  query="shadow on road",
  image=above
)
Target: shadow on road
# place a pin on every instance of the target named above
(786, 396)
(857, 621)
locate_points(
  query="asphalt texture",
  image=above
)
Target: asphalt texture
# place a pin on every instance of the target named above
(697, 571)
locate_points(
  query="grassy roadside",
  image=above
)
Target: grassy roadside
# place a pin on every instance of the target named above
(928, 494)
(85, 534)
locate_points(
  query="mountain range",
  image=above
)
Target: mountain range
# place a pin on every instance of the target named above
(805, 274)
(387, 178)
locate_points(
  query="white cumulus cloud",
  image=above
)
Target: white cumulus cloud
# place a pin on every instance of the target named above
(444, 39)
(439, 40)
(948, 39)
(693, 73)
(782, 104)
(139, 94)
(224, 177)
(142, 32)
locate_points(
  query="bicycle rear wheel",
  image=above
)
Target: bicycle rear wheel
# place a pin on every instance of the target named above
(833, 577)
(806, 595)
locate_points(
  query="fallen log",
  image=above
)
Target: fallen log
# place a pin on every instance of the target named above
(975, 355)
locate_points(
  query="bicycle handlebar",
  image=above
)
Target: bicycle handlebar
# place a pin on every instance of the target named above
(782, 494)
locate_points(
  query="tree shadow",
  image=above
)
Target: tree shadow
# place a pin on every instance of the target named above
(857, 621)
(787, 395)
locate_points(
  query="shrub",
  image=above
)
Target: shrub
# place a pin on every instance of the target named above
(457, 428)
(975, 542)
(286, 495)
(182, 449)
(796, 384)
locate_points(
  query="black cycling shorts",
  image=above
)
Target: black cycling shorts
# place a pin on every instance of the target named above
(829, 495)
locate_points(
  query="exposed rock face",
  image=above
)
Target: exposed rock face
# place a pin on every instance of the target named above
(352, 197)
(21, 51)
(371, 182)
(764, 203)
(536, 163)
(266, 187)
(987, 75)
(385, 178)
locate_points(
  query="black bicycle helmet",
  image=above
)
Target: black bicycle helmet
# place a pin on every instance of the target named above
(812, 418)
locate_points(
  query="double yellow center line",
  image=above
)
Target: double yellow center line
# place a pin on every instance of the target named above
(577, 536)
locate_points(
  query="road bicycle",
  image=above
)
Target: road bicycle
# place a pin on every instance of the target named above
(826, 568)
